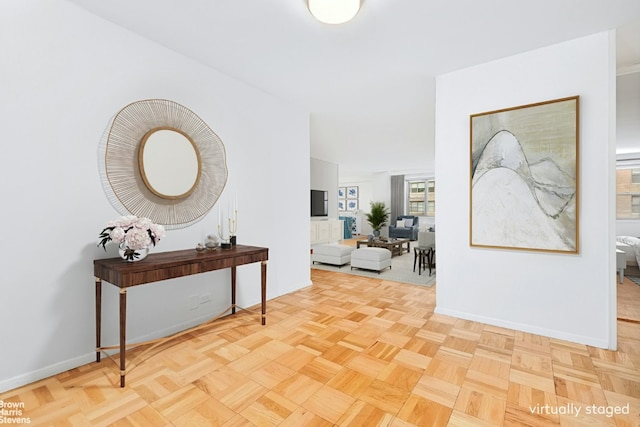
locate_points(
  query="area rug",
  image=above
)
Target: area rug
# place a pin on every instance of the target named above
(634, 279)
(401, 271)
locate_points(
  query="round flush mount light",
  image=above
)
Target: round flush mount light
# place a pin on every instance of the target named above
(334, 11)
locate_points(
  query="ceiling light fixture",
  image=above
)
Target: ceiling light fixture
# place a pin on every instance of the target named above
(334, 11)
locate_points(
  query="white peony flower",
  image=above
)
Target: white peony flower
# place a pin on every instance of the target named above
(117, 234)
(137, 238)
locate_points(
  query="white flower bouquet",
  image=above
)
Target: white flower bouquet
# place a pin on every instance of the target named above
(133, 234)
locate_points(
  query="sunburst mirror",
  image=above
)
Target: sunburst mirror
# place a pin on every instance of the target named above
(160, 160)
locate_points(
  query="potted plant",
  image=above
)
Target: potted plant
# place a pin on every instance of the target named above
(377, 217)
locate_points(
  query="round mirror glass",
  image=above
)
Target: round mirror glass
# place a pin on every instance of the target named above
(169, 163)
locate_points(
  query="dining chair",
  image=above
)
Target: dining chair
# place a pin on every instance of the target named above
(424, 252)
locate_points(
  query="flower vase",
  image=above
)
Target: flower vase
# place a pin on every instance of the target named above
(132, 255)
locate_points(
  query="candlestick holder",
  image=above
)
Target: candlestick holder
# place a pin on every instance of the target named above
(233, 228)
(225, 243)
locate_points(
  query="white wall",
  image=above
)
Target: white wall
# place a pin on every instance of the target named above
(570, 297)
(628, 111)
(65, 73)
(628, 227)
(324, 176)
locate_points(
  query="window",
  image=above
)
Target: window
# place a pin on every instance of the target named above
(422, 198)
(628, 193)
(416, 188)
(431, 198)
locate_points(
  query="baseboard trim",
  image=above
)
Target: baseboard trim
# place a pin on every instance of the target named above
(624, 319)
(46, 372)
(65, 365)
(551, 333)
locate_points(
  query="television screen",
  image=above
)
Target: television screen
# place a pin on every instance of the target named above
(319, 203)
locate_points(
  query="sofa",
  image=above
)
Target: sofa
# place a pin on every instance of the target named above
(404, 227)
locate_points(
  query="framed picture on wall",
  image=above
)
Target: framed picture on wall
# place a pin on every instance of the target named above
(524, 177)
(352, 205)
(342, 204)
(352, 192)
(342, 192)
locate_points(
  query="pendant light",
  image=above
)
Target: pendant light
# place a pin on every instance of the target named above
(334, 11)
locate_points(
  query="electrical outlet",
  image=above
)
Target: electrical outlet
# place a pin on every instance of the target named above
(205, 298)
(193, 302)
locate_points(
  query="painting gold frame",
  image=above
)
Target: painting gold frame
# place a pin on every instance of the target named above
(524, 177)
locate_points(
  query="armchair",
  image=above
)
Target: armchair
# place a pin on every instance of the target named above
(405, 227)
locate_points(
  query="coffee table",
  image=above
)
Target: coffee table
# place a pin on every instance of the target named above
(394, 245)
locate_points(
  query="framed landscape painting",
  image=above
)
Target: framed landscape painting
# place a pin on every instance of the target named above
(525, 177)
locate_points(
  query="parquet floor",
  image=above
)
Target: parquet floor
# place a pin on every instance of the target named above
(629, 301)
(352, 351)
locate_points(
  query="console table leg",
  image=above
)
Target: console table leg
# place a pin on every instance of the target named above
(263, 291)
(233, 290)
(123, 331)
(98, 316)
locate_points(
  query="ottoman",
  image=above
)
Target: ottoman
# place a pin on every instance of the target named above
(332, 253)
(376, 259)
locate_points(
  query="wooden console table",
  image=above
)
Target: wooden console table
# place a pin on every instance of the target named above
(169, 265)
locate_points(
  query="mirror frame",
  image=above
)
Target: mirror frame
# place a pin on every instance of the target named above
(122, 175)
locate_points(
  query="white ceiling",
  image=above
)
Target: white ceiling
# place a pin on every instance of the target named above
(368, 83)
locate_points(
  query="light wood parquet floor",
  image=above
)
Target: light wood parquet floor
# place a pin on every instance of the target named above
(628, 301)
(351, 351)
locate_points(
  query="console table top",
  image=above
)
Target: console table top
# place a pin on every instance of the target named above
(172, 264)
